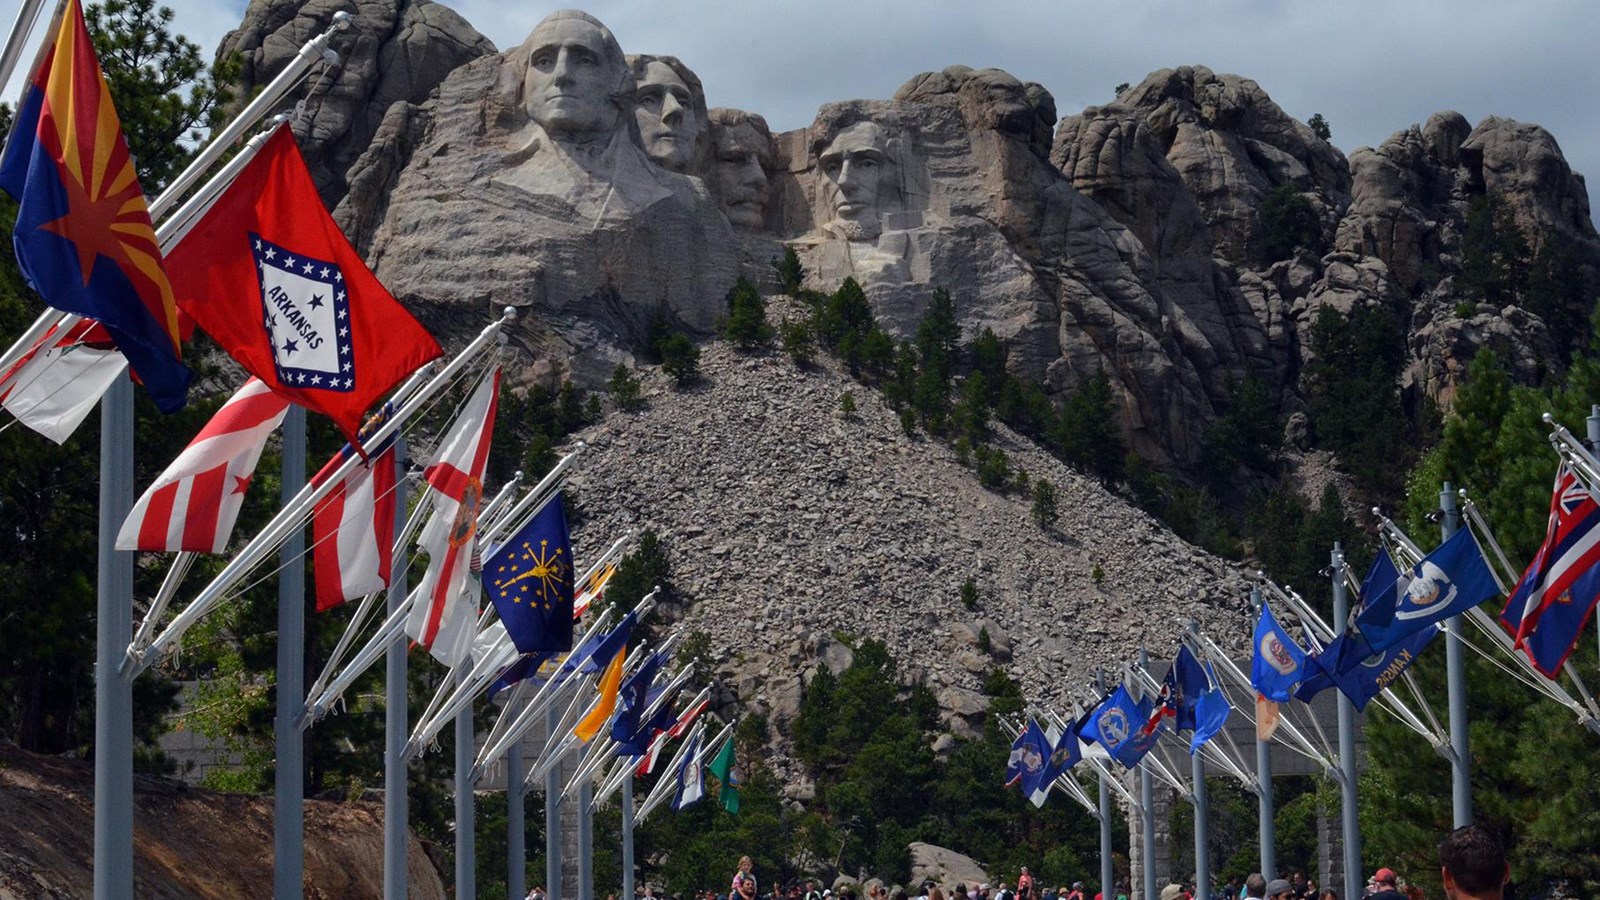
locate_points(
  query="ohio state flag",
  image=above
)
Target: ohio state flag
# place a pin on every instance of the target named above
(268, 274)
(194, 503)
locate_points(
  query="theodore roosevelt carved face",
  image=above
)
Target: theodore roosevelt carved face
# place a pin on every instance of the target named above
(741, 150)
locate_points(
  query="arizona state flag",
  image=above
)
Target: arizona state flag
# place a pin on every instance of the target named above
(83, 237)
(268, 274)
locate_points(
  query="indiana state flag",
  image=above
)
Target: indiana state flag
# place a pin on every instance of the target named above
(1279, 664)
(83, 238)
(1447, 582)
(529, 579)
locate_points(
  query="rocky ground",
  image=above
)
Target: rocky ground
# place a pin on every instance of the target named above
(188, 843)
(793, 527)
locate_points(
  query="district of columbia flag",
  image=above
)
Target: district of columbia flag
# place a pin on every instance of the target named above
(268, 274)
(444, 616)
(60, 380)
(194, 503)
(352, 527)
(83, 237)
(610, 685)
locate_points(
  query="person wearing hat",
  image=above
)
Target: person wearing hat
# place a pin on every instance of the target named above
(1279, 889)
(1472, 865)
(1384, 880)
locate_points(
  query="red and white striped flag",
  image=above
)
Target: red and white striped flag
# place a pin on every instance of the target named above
(62, 377)
(352, 529)
(443, 617)
(647, 763)
(194, 503)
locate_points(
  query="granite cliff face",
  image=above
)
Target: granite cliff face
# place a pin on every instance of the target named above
(1128, 238)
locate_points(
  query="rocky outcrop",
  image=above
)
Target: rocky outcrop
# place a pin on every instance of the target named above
(394, 51)
(187, 842)
(944, 867)
(857, 531)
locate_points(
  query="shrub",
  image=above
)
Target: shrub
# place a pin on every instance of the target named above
(1289, 222)
(680, 358)
(794, 335)
(847, 404)
(1045, 511)
(994, 470)
(1319, 127)
(790, 272)
(747, 325)
(969, 594)
(624, 388)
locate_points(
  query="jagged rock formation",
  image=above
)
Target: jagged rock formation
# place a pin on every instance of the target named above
(393, 51)
(188, 842)
(791, 526)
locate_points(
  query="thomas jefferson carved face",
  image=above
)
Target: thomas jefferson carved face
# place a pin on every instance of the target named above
(742, 154)
(853, 165)
(575, 69)
(669, 125)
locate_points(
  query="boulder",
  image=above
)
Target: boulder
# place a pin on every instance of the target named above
(944, 867)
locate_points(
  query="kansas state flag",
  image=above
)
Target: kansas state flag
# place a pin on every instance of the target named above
(1279, 664)
(1448, 581)
(529, 578)
(83, 236)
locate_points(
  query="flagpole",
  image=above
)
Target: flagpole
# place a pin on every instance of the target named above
(552, 810)
(113, 693)
(1460, 773)
(516, 826)
(1347, 739)
(396, 801)
(1593, 434)
(627, 834)
(288, 806)
(21, 29)
(1148, 819)
(585, 841)
(1107, 873)
(1202, 828)
(466, 843)
(1269, 853)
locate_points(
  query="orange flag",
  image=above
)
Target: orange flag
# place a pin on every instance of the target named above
(610, 685)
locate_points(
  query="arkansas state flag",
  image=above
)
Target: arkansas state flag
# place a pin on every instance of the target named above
(268, 274)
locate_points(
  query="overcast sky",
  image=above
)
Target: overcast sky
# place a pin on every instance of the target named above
(1370, 67)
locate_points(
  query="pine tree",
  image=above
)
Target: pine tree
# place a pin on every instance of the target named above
(747, 325)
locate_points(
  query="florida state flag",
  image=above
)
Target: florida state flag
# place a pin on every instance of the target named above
(268, 274)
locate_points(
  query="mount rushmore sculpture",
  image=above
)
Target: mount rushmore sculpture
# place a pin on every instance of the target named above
(600, 192)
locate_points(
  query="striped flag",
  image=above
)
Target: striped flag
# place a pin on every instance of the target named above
(194, 503)
(647, 762)
(443, 619)
(353, 526)
(53, 387)
(592, 589)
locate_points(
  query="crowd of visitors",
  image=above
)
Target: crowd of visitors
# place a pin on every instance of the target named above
(1472, 866)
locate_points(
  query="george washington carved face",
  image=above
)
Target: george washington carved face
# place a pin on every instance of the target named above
(576, 72)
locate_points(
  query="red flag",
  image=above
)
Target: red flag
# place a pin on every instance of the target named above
(194, 503)
(353, 530)
(268, 274)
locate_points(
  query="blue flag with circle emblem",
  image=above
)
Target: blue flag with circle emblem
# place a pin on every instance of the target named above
(1124, 726)
(1279, 664)
(529, 578)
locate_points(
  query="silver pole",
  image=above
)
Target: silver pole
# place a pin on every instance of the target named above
(396, 802)
(1347, 741)
(113, 694)
(1108, 876)
(1593, 423)
(1269, 850)
(552, 810)
(627, 833)
(21, 29)
(466, 844)
(1460, 773)
(1148, 820)
(1202, 828)
(288, 792)
(516, 826)
(585, 840)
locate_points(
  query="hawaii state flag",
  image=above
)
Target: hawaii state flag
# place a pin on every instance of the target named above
(83, 237)
(268, 274)
(1556, 595)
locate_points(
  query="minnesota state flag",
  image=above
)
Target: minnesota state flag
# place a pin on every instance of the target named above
(83, 238)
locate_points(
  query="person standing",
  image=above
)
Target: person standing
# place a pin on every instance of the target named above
(1384, 881)
(1472, 865)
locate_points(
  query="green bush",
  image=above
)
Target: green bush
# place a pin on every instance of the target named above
(624, 388)
(794, 335)
(747, 326)
(1045, 511)
(790, 273)
(680, 358)
(969, 594)
(1288, 223)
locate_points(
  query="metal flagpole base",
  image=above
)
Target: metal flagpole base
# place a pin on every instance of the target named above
(113, 694)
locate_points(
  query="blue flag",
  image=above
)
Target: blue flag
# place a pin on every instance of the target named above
(525, 667)
(1124, 727)
(1359, 673)
(1185, 682)
(529, 578)
(1447, 582)
(633, 697)
(691, 776)
(1279, 664)
(1066, 754)
(1030, 755)
(1211, 711)
(1555, 636)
